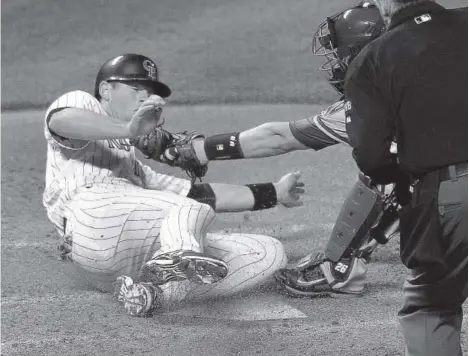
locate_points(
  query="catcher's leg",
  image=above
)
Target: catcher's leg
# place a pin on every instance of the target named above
(342, 268)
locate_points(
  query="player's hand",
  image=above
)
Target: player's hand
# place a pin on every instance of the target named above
(147, 117)
(289, 190)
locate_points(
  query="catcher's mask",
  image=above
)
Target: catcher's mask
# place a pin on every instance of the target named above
(341, 37)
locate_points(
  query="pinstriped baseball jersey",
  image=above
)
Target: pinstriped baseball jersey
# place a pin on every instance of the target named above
(72, 163)
(119, 214)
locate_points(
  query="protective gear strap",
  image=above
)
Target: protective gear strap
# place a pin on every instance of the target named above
(223, 146)
(203, 193)
(387, 226)
(265, 195)
(358, 215)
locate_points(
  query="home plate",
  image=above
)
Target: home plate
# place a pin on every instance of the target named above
(242, 309)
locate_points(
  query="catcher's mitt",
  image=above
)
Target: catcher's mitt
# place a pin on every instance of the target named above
(172, 149)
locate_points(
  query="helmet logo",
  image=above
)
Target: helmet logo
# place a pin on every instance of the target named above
(150, 67)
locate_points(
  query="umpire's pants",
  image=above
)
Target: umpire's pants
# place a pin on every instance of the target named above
(431, 317)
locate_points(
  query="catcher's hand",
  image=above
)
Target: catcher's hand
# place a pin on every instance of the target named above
(174, 149)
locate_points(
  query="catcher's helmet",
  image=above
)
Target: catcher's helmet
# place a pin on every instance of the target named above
(341, 37)
(131, 67)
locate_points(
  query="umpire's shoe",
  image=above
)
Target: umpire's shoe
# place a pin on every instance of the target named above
(314, 276)
(139, 299)
(183, 265)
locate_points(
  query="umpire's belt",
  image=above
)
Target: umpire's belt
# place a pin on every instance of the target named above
(453, 172)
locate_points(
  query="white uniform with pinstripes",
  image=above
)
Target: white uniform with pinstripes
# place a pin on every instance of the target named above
(118, 213)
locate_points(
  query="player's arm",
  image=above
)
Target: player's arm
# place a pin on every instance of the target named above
(78, 115)
(234, 198)
(269, 139)
(83, 124)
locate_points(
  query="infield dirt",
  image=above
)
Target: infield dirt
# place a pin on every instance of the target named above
(212, 52)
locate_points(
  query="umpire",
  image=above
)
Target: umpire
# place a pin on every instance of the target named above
(410, 85)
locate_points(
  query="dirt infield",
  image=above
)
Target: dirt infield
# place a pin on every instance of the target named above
(48, 310)
(209, 51)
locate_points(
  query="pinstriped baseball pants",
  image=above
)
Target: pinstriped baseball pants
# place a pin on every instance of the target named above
(116, 229)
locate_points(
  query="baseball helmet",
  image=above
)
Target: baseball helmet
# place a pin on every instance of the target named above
(341, 37)
(131, 67)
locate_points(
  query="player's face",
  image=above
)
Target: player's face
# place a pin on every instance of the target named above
(126, 98)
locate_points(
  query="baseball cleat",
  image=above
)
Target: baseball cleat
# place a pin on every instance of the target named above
(183, 265)
(314, 276)
(296, 284)
(139, 299)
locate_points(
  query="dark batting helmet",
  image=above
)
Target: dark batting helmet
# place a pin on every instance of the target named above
(341, 37)
(131, 67)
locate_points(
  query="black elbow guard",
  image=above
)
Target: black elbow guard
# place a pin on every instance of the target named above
(203, 193)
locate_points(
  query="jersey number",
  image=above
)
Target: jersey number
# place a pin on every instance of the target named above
(340, 267)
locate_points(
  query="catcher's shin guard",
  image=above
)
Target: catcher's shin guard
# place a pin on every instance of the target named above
(314, 276)
(358, 214)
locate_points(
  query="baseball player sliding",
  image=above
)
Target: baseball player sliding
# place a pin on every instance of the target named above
(124, 224)
(368, 215)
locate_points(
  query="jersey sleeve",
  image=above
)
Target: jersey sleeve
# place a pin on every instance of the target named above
(74, 99)
(163, 182)
(332, 122)
(307, 132)
(322, 130)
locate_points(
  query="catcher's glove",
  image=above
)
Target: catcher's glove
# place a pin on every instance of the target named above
(172, 149)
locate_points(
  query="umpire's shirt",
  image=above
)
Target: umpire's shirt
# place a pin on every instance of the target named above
(410, 85)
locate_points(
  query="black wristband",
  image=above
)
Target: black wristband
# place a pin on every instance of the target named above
(265, 195)
(223, 146)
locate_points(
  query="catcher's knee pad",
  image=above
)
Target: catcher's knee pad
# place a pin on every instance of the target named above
(358, 214)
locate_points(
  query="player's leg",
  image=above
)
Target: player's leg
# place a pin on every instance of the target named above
(182, 254)
(114, 230)
(252, 260)
(365, 217)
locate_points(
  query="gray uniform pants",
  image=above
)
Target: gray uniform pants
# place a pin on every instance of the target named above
(431, 317)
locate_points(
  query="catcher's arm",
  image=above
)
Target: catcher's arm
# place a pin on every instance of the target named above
(266, 140)
(269, 139)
